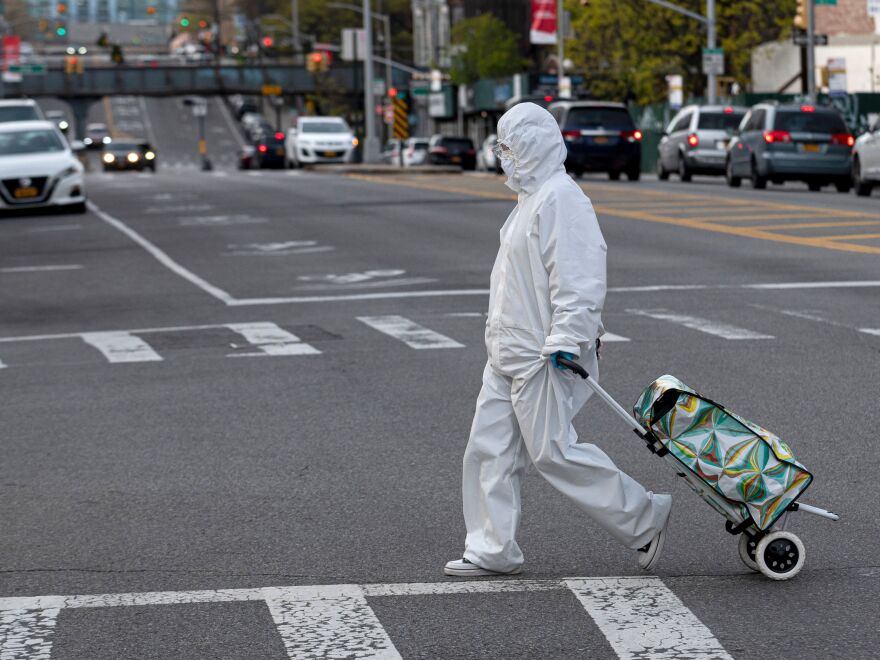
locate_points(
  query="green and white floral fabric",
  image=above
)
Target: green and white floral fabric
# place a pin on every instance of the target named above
(743, 462)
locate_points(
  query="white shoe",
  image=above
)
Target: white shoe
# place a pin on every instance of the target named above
(650, 554)
(464, 568)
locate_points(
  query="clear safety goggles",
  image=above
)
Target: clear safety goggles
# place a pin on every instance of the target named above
(501, 150)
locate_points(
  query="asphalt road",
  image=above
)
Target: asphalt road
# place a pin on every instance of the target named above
(200, 411)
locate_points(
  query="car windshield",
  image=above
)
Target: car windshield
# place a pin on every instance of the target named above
(616, 119)
(35, 141)
(720, 121)
(96, 128)
(18, 113)
(324, 127)
(795, 121)
(125, 146)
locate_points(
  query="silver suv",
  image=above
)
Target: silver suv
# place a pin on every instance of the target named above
(866, 160)
(695, 142)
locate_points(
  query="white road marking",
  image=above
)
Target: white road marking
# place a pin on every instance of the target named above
(639, 616)
(610, 336)
(163, 258)
(121, 347)
(36, 269)
(220, 220)
(271, 340)
(334, 622)
(812, 316)
(715, 328)
(642, 618)
(2, 365)
(178, 208)
(37, 230)
(243, 302)
(409, 332)
(147, 123)
(846, 284)
(870, 331)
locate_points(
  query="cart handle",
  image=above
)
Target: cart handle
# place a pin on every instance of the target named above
(574, 366)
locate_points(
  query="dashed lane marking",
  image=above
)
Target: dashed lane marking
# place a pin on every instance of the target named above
(40, 269)
(409, 332)
(121, 347)
(639, 616)
(716, 328)
(271, 340)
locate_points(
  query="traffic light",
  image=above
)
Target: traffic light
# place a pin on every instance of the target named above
(392, 92)
(43, 24)
(801, 15)
(61, 7)
(60, 29)
(184, 22)
(268, 42)
(73, 64)
(203, 24)
(318, 61)
(151, 10)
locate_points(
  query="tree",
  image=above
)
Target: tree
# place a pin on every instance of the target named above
(483, 47)
(626, 48)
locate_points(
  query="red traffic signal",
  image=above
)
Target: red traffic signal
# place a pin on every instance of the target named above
(392, 92)
(268, 42)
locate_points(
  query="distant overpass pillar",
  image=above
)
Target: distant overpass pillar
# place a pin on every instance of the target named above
(79, 106)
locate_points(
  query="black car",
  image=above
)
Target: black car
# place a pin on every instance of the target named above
(445, 150)
(269, 151)
(600, 137)
(124, 155)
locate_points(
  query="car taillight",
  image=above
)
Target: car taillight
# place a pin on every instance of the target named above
(631, 136)
(843, 138)
(471, 152)
(440, 150)
(771, 137)
(693, 140)
(728, 110)
(808, 108)
(279, 136)
(262, 148)
(571, 135)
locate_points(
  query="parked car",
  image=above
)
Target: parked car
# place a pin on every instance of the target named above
(128, 155)
(866, 160)
(19, 110)
(38, 168)
(392, 153)
(447, 150)
(786, 142)
(97, 135)
(415, 152)
(486, 156)
(59, 117)
(320, 140)
(696, 141)
(600, 137)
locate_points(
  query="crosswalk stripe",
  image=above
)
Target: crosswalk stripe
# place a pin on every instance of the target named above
(121, 347)
(641, 617)
(271, 340)
(610, 336)
(870, 331)
(716, 328)
(409, 332)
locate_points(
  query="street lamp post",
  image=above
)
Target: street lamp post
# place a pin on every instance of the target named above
(371, 142)
(811, 51)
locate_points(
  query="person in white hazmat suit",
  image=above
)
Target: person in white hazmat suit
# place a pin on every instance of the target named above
(546, 297)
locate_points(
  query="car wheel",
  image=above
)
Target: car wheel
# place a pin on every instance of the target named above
(732, 180)
(814, 186)
(79, 207)
(684, 172)
(843, 185)
(614, 175)
(862, 187)
(758, 182)
(662, 172)
(633, 174)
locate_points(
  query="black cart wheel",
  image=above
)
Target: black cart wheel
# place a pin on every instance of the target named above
(747, 547)
(780, 555)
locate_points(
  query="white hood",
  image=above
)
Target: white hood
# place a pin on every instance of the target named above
(34, 165)
(536, 141)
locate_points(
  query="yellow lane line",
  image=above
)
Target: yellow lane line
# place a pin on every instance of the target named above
(847, 236)
(808, 225)
(761, 216)
(748, 232)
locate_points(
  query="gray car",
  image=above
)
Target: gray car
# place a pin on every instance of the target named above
(695, 142)
(866, 160)
(786, 142)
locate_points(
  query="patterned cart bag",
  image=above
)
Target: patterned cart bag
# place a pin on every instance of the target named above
(747, 465)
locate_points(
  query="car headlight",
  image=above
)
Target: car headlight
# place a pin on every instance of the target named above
(87, 140)
(106, 139)
(70, 171)
(132, 157)
(108, 158)
(149, 155)
(63, 125)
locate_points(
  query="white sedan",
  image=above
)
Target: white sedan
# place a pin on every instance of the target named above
(320, 140)
(38, 169)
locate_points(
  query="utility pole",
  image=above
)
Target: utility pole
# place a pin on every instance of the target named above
(811, 51)
(560, 45)
(371, 142)
(712, 80)
(294, 26)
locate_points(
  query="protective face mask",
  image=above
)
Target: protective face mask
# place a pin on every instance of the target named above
(508, 166)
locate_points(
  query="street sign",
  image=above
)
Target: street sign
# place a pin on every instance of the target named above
(676, 91)
(837, 76)
(874, 8)
(27, 69)
(713, 61)
(800, 39)
(271, 90)
(830, 3)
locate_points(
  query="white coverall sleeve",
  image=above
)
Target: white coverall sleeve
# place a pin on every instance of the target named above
(573, 252)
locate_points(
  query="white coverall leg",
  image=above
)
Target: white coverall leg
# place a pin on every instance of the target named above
(518, 421)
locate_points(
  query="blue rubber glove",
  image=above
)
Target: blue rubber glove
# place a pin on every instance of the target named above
(562, 354)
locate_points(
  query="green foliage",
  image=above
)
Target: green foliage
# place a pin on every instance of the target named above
(626, 48)
(484, 47)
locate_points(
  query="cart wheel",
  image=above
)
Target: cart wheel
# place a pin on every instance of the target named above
(747, 547)
(780, 555)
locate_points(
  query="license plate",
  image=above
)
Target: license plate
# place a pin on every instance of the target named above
(279, 151)
(456, 159)
(26, 192)
(812, 148)
(721, 145)
(330, 154)
(600, 140)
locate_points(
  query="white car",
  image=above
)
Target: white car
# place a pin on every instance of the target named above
(320, 140)
(38, 169)
(415, 152)
(19, 110)
(866, 160)
(486, 155)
